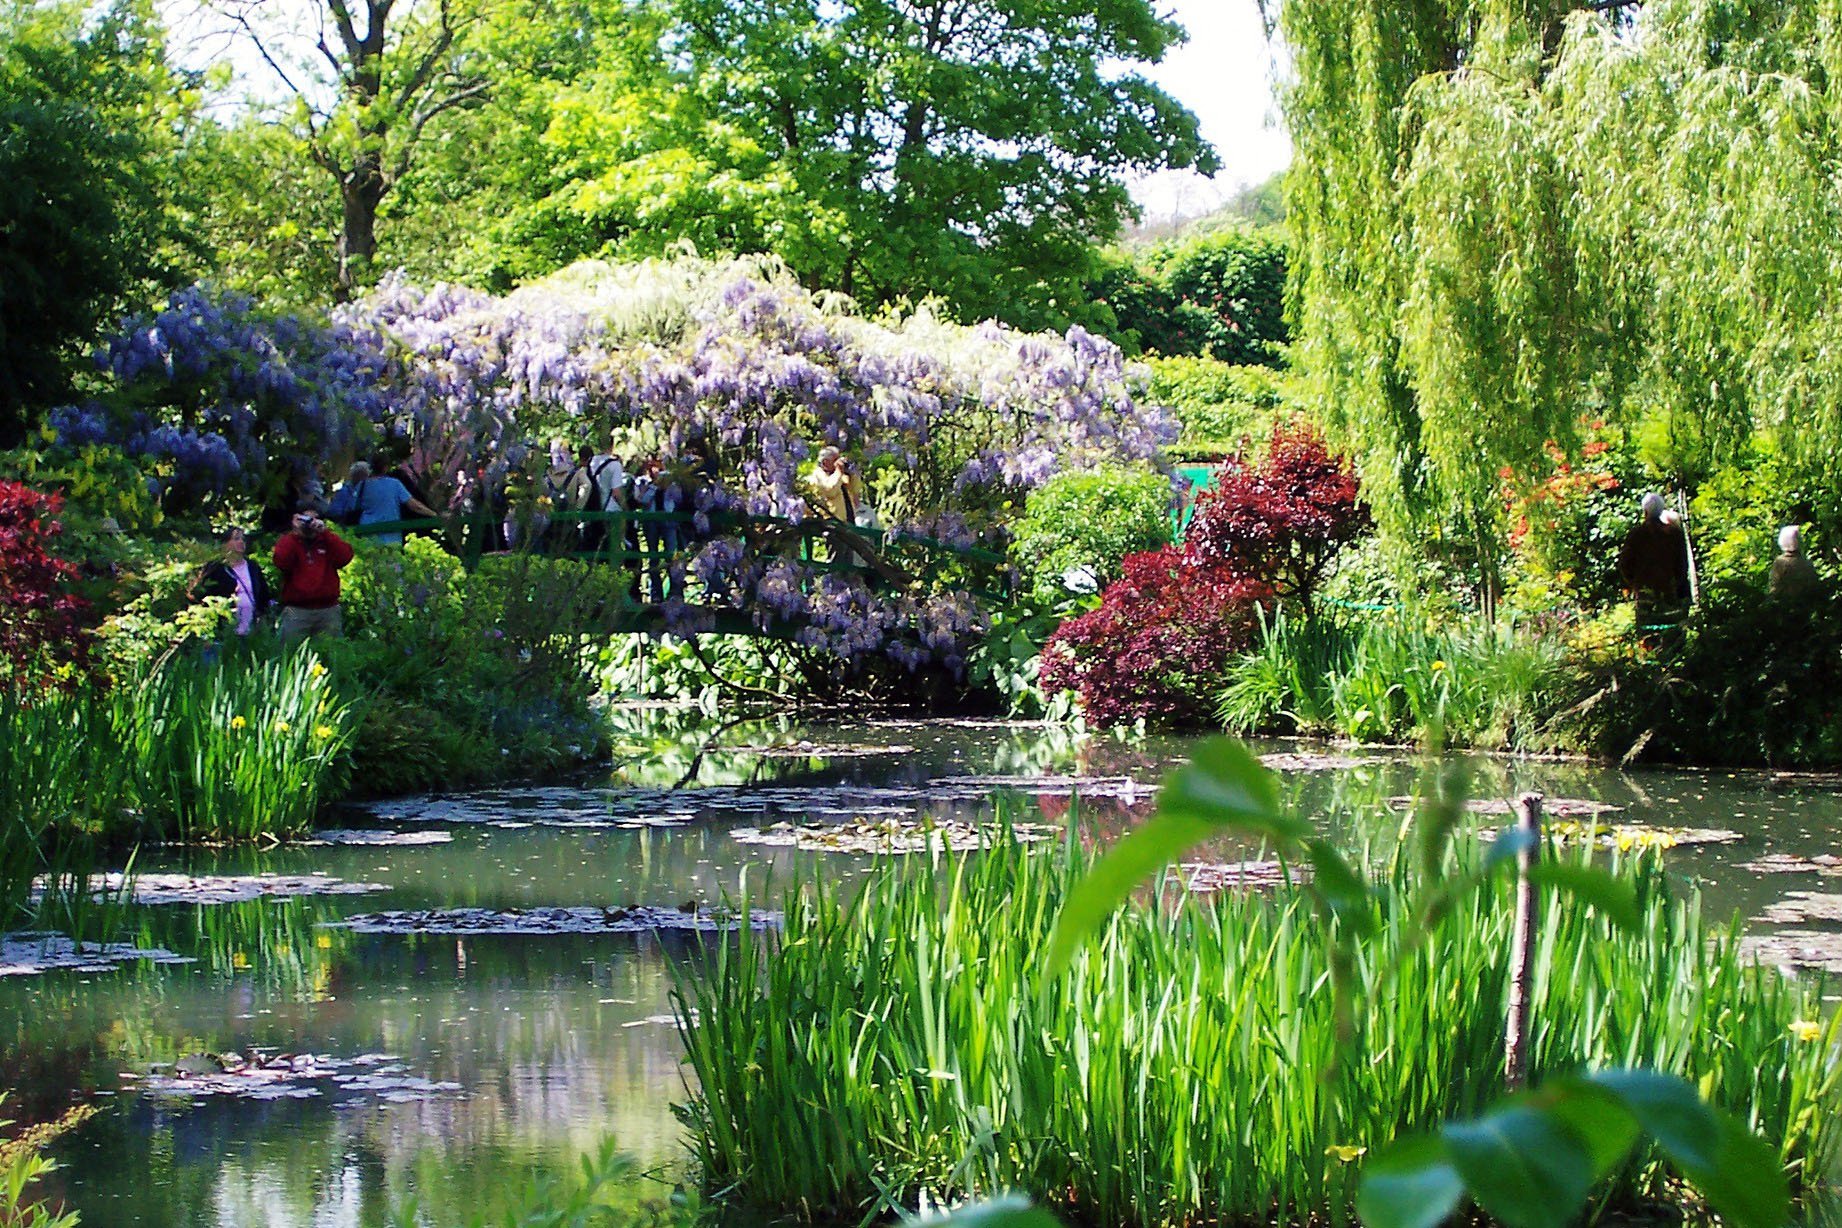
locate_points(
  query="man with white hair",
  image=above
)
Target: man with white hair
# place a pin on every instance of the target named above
(838, 489)
(1653, 564)
(1792, 573)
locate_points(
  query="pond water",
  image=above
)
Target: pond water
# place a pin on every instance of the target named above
(480, 1058)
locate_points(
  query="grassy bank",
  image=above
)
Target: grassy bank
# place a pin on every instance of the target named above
(899, 1043)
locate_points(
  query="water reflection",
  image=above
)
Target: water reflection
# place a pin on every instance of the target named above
(555, 1040)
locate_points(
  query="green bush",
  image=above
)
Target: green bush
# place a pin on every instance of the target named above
(1221, 406)
(897, 1042)
(1747, 679)
(1090, 519)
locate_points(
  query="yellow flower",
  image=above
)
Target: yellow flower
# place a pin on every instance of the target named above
(316, 670)
(323, 941)
(322, 732)
(1438, 667)
(283, 727)
(239, 960)
(237, 722)
(1806, 1030)
(1344, 1152)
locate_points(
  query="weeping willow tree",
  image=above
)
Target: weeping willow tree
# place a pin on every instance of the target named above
(1510, 216)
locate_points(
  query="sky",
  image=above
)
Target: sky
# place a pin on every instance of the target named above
(1225, 75)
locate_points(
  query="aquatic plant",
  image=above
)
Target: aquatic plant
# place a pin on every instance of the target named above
(189, 750)
(1393, 677)
(22, 1162)
(899, 1044)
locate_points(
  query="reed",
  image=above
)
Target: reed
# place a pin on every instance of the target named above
(1392, 678)
(237, 749)
(899, 1045)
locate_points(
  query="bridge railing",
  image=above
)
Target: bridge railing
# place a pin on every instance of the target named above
(823, 544)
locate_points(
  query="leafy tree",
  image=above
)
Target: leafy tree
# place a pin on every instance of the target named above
(90, 117)
(1216, 293)
(365, 85)
(1510, 219)
(971, 149)
(42, 635)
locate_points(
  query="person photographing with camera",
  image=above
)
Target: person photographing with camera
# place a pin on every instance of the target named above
(309, 556)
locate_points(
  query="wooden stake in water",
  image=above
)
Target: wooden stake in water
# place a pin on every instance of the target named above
(1522, 942)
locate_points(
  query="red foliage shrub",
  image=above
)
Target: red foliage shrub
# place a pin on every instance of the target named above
(1282, 520)
(41, 621)
(1160, 641)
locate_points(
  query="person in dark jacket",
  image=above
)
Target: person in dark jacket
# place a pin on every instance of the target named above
(309, 557)
(235, 576)
(1653, 563)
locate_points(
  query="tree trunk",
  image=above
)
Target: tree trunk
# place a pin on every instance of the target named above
(361, 191)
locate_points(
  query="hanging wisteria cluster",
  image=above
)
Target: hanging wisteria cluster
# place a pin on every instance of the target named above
(217, 395)
(729, 371)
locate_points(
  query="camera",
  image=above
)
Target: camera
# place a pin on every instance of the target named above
(307, 522)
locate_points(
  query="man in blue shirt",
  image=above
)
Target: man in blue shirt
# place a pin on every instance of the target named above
(364, 499)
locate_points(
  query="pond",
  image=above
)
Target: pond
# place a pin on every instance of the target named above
(450, 1063)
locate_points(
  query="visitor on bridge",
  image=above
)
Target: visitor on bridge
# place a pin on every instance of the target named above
(234, 576)
(310, 556)
(837, 490)
(1653, 564)
(600, 486)
(654, 492)
(1793, 575)
(367, 499)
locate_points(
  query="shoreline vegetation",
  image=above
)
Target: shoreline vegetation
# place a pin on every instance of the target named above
(895, 1046)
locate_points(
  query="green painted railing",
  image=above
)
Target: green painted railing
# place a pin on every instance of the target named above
(823, 544)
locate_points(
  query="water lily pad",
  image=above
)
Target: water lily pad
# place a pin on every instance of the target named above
(1799, 906)
(29, 954)
(1551, 807)
(816, 750)
(1800, 950)
(223, 888)
(1310, 761)
(578, 920)
(1793, 863)
(382, 839)
(262, 1075)
(884, 836)
(1205, 877)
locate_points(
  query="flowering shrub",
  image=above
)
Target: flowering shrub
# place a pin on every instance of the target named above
(1567, 518)
(42, 634)
(215, 395)
(1284, 518)
(1161, 640)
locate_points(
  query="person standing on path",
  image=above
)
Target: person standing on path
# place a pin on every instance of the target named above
(310, 557)
(1653, 564)
(1793, 575)
(234, 576)
(600, 486)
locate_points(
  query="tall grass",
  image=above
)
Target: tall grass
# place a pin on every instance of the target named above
(1189, 1069)
(1392, 678)
(188, 750)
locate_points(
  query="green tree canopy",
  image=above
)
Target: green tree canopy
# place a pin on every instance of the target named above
(1512, 217)
(90, 118)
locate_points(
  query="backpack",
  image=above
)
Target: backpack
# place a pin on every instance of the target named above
(355, 514)
(597, 501)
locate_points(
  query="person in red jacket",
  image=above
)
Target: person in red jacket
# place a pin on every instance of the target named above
(309, 557)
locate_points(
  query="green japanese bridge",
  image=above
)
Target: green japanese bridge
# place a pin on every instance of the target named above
(647, 543)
